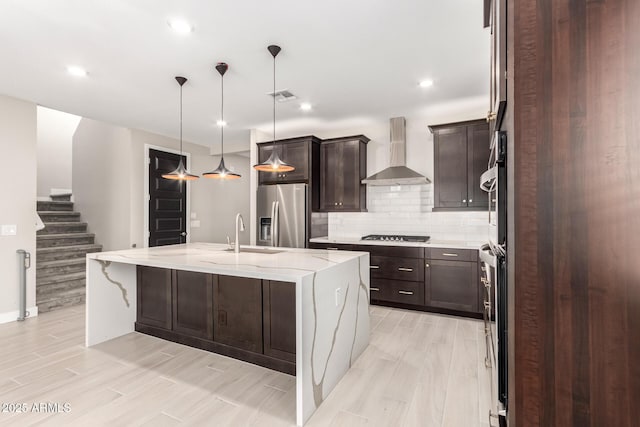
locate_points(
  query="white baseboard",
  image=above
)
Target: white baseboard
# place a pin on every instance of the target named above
(12, 316)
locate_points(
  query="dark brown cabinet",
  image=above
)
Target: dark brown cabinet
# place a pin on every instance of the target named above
(154, 297)
(432, 279)
(343, 165)
(302, 153)
(279, 317)
(461, 154)
(193, 303)
(237, 311)
(452, 285)
(495, 17)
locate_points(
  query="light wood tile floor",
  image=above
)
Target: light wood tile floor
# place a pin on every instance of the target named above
(420, 370)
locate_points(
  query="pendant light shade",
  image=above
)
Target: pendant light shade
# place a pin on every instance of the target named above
(274, 163)
(181, 173)
(221, 172)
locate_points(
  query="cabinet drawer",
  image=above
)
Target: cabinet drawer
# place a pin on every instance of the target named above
(391, 251)
(397, 291)
(454, 254)
(332, 246)
(410, 269)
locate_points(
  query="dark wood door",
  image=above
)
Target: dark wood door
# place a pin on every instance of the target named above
(331, 179)
(193, 304)
(167, 201)
(343, 166)
(452, 285)
(351, 185)
(478, 146)
(154, 296)
(450, 167)
(237, 312)
(279, 308)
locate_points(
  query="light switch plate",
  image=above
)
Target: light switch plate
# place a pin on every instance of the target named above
(9, 230)
(195, 223)
(194, 215)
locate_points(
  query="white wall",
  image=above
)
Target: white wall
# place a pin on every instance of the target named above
(55, 133)
(101, 181)
(19, 159)
(109, 186)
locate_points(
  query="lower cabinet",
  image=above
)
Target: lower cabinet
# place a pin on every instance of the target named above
(154, 296)
(279, 316)
(248, 319)
(193, 304)
(452, 285)
(237, 310)
(435, 279)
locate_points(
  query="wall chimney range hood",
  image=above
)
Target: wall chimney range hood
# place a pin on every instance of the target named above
(398, 173)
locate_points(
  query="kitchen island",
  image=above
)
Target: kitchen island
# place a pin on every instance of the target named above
(330, 291)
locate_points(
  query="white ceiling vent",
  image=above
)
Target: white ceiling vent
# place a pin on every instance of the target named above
(283, 95)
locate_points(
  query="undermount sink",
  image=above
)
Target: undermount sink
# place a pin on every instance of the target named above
(256, 251)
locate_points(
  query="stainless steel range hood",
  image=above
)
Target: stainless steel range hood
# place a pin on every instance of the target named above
(398, 173)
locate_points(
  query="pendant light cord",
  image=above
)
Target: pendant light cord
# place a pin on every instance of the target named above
(222, 117)
(274, 103)
(180, 122)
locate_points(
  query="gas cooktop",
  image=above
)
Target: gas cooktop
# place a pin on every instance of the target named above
(396, 238)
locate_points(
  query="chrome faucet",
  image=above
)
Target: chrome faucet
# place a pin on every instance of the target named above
(239, 227)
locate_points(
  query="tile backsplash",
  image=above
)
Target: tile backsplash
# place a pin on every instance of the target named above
(407, 209)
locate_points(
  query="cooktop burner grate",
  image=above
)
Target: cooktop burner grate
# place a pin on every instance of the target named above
(396, 238)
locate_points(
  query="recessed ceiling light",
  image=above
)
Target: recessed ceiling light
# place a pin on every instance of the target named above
(76, 71)
(426, 83)
(221, 123)
(305, 106)
(180, 26)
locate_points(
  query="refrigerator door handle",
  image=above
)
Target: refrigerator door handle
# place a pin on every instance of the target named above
(273, 223)
(276, 224)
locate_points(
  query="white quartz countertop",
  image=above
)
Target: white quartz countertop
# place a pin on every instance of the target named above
(288, 265)
(433, 243)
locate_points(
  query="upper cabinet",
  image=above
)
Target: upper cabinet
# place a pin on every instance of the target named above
(461, 154)
(343, 166)
(302, 153)
(495, 17)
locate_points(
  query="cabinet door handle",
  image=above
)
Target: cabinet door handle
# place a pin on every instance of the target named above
(448, 254)
(335, 204)
(332, 249)
(464, 200)
(427, 265)
(470, 200)
(375, 289)
(340, 203)
(405, 292)
(405, 269)
(374, 267)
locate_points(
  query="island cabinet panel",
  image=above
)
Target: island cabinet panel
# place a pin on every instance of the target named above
(193, 303)
(154, 297)
(237, 312)
(279, 314)
(452, 285)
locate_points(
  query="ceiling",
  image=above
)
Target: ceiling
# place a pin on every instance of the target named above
(354, 61)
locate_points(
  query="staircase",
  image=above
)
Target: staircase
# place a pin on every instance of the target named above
(61, 249)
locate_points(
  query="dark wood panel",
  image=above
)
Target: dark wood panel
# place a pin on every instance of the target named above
(399, 291)
(450, 167)
(279, 317)
(216, 347)
(383, 267)
(574, 275)
(193, 303)
(478, 146)
(343, 165)
(154, 296)
(452, 254)
(237, 312)
(300, 152)
(452, 285)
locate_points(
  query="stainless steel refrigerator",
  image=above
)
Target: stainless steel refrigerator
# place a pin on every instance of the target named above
(282, 212)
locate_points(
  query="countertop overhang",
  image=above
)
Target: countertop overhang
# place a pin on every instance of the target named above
(288, 265)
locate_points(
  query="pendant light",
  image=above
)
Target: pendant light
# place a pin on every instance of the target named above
(181, 173)
(274, 163)
(221, 172)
